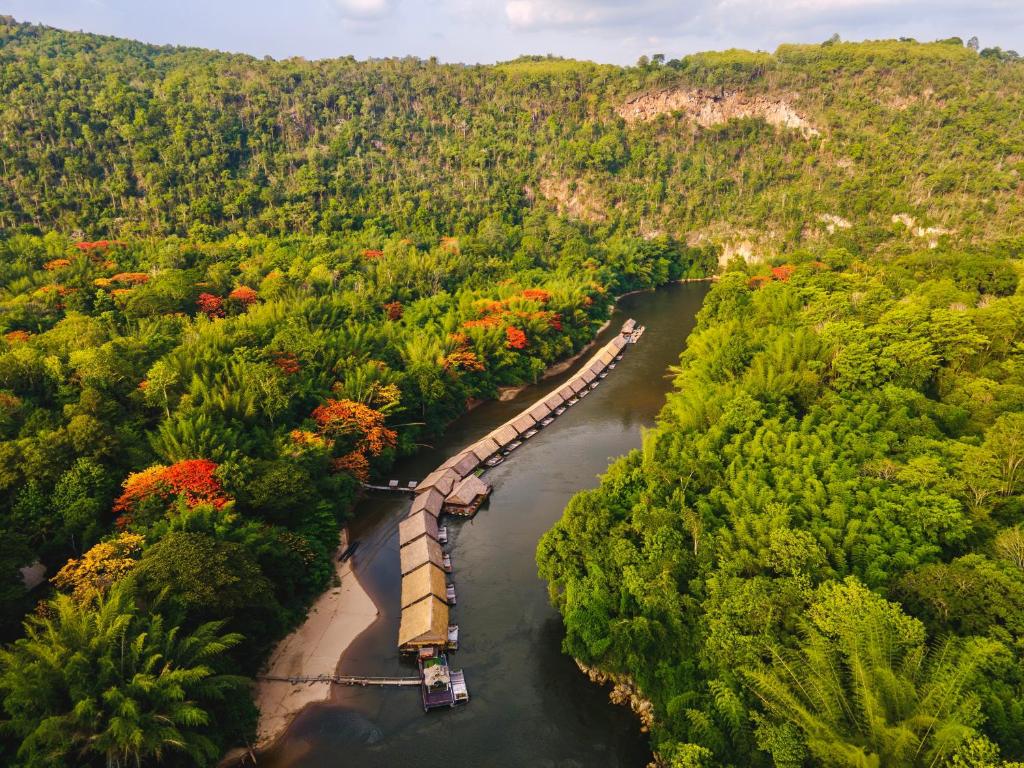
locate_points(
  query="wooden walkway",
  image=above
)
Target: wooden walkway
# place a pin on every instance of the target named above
(343, 680)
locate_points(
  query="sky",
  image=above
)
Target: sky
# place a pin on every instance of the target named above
(484, 31)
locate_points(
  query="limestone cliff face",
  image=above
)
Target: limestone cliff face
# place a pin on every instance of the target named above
(710, 108)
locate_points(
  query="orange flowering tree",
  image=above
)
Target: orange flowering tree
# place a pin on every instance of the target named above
(130, 278)
(153, 490)
(354, 428)
(244, 295)
(393, 310)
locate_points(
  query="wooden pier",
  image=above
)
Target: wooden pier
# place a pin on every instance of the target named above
(343, 680)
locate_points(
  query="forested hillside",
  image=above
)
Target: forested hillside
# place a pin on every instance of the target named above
(231, 289)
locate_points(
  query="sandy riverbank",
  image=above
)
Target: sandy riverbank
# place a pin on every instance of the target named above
(337, 618)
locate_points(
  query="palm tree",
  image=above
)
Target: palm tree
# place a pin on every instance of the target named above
(865, 691)
(105, 684)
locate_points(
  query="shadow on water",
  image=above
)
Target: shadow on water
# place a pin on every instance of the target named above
(529, 705)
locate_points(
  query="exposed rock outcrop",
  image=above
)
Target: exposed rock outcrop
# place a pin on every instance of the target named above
(624, 691)
(710, 108)
(931, 234)
(573, 198)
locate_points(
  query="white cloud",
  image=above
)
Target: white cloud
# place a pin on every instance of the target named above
(584, 14)
(364, 9)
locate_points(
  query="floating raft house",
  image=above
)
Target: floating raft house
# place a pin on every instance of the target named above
(417, 524)
(467, 496)
(424, 624)
(426, 581)
(420, 552)
(430, 501)
(442, 480)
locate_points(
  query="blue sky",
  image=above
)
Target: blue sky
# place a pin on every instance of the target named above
(496, 30)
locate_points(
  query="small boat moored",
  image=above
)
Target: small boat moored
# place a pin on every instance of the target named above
(560, 410)
(494, 461)
(529, 433)
(453, 637)
(449, 593)
(442, 534)
(349, 551)
(546, 420)
(446, 561)
(512, 446)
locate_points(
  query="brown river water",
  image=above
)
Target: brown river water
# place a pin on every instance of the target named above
(529, 704)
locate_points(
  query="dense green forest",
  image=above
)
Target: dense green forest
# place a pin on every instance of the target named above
(231, 289)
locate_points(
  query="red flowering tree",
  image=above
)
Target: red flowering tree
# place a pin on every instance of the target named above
(153, 490)
(394, 310)
(287, 362)
(210, 305)
(537, 294)
(97, 245)
(17, 337)
(372, 253)
(53, 264)
(515, 338)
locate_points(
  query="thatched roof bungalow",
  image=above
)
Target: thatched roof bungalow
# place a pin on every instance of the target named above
(429, 502)
(597, 367)
(420, 523)
(463, 463)
(426, 581)
(607, 355)
(629, 326)
(566, 392)
(523, 423)
(484, 449)
(553, 400)
(442, 479)
(420, 552)
(617, 343)
(588, 375)
(504, 435)
(539, 411)
(423, 623)
(577, 385)
(467, 496)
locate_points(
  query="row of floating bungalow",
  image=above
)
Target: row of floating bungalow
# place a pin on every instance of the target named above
(455, 488)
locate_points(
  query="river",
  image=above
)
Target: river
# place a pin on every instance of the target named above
(530, 705)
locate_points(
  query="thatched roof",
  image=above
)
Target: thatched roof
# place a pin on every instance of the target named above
(468, 491)
(425, 581)
(441, 479)
(597, 366)
(588, 375)
(578, 384)
(424, 623)
(420, 552)
(420, 523)
(607, 355)
(553, 400)
(566, 392)
(484, 449)
(504, 434)
(539, 411)
(617, 343)
(629, 326)
(430, 502)
(523, 422)
(463, 463)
